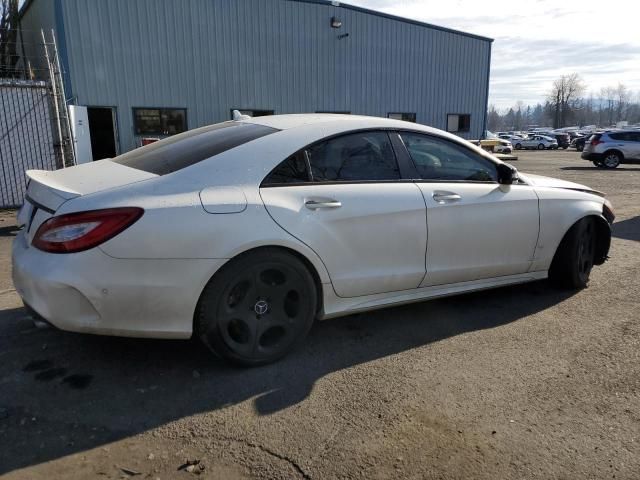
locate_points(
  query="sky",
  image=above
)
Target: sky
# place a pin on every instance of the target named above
(536, 41)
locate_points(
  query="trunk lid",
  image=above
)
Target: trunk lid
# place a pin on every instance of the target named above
(48, 190)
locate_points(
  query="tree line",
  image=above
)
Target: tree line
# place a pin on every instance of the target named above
(567, 104)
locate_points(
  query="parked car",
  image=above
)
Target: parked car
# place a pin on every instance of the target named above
(578, 143)
(539, 142)
(495, 144)
(610, 149)
(563, 139)
(245, 232)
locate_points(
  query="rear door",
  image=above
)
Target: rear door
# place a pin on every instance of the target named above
(346, 199)
(477, 228)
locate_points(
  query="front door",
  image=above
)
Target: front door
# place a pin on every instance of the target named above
(477, 228)
(345, 199)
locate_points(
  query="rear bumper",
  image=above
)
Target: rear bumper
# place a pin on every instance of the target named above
(91, 292)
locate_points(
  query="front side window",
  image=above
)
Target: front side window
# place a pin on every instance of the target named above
(458, 122)
(354, 157)
(159, 121)
(440, 160)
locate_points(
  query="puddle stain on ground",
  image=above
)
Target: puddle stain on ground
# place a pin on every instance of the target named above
(50, 374)
(37, 365)
(78, 381)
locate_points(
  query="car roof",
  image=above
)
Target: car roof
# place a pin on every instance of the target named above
(289, 121)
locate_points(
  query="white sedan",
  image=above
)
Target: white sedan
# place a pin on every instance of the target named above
(539, 142)
(244, 232)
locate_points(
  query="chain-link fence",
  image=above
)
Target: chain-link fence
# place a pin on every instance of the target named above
(35, 131)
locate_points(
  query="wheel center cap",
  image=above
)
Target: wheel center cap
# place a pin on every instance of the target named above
(261, 307)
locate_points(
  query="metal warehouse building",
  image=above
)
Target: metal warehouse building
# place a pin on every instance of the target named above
(149, 68)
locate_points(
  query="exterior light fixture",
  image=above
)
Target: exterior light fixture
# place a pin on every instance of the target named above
(335, 22)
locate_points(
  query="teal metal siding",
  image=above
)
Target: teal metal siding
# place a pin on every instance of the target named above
(213, 55)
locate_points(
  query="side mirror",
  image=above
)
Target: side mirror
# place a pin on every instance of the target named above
(507, 174)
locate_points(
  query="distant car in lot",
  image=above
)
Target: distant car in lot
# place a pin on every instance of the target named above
(610, 149)
(493, 143)
(244, 232)
(539, 142)
(563, 139)
(578, 143)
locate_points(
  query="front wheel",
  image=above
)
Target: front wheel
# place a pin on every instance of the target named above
(257, 308)
(574, 258)
(540, 146)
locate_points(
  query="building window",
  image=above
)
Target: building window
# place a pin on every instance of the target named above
(252, 113)
(407, 117)
(458, 122)
(341, 112)
(159, 121)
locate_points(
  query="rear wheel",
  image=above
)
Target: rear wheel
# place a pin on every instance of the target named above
(518, 146)
(257, 308)
(540, 146)
(611, 159)
(574, 258)
(580, 148)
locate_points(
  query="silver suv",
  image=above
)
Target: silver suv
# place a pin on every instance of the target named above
(610, 149)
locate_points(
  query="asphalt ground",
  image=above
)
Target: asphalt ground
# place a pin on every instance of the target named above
(518, 382)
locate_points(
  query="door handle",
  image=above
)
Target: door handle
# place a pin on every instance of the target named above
(314, 205)
(446, 197)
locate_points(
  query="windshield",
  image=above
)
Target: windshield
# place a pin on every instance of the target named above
(183, 150)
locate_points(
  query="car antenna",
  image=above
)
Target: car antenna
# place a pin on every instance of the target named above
(239, 116)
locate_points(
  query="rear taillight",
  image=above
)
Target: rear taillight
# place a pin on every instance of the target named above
(80, 231)
(595, 142)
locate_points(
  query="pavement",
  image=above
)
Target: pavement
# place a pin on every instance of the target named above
(517, 382)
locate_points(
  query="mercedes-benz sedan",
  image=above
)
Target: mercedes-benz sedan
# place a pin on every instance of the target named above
(244, 232)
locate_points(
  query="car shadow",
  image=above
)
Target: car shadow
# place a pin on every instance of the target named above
(64, 393)
(627, 229)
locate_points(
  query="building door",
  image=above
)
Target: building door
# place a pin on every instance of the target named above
(102, 128)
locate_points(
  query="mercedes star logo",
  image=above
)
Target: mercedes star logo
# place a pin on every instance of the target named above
(261, 307)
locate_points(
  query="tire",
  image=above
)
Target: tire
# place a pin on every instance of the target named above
(518, 146)
(564, 148)
(575, 256)
(540, 146)
(611, 159)
(580, 148)
(257, 308)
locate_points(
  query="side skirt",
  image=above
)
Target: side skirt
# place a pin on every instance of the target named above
(335, 306)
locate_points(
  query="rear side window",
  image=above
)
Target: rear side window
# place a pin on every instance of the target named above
(362, 156)
(625, 136)
(354, 157)
(188, 148)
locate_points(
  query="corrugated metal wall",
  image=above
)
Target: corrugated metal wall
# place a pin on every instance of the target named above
(213, 55)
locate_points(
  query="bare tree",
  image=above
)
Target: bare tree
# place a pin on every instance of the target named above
(623, 95)
(564, 96)
(608, 98)
(8, 38)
